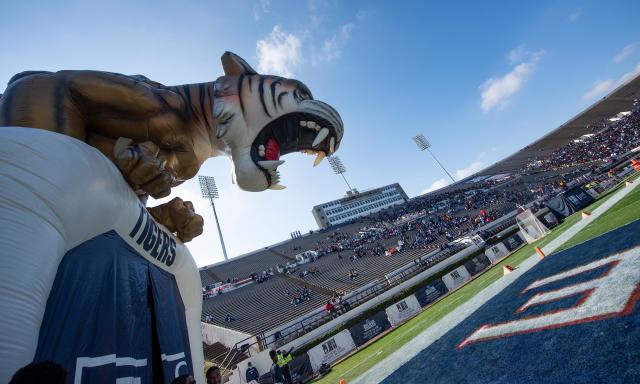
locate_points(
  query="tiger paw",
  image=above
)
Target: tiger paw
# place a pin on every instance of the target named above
(143, 166)
(179, 217)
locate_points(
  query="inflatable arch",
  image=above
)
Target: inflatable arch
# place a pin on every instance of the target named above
(88, 278)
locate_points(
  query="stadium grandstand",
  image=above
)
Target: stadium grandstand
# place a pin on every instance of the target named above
(272, 296)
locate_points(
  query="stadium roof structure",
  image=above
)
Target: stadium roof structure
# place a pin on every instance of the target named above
(620, 99)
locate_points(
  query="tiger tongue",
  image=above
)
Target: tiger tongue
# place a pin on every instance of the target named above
(272, 150)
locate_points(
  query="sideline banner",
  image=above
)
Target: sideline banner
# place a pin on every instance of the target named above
(431, 292)
(369, 328)
(331, 350)
(477, 264)
(496, 252)
(301, 370)
(456, 277)
(402, 310)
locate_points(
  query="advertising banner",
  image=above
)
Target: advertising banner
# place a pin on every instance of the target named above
(301, 370)
(456, 278)
(496, 252)
(402, 310)
(477, 264)
(369, 328)
(431, 292)
(331, 350)
(514, 241)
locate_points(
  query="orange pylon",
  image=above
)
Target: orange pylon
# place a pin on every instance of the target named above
(342, 381)
(506, 269)
(585, 214)
(542, 255)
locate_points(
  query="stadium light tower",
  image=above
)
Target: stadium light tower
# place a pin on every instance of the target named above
(210, 191)
(339, 169)
(423, 144)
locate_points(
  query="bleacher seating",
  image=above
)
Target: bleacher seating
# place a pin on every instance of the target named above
(260, 307)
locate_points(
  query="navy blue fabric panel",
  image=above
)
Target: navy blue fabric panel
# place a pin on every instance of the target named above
(600, 351)
(369, 328)
(170, 324)
(98, 311)
(430, 292)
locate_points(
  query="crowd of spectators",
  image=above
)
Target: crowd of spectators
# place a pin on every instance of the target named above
(607, 140)
(432, 221)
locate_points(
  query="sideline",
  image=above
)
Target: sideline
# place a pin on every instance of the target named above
(391, 363)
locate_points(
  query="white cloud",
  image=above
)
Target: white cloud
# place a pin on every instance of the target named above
(629, 75)
(496, 91)
(575, 15)
(601, 87)
(625, 52)
(279, 53)
(440, 183)
(460, 174)
(332, 47)
(261, 8)
(469, 170)
(517, 54)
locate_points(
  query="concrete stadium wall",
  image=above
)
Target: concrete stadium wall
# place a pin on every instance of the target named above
(227, 337)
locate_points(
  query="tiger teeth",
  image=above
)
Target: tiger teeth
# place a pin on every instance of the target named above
(303, 123)
(321, 155)
(311, 124)
(332, 144)
(277, 187)
(324, 132)
(270, 164)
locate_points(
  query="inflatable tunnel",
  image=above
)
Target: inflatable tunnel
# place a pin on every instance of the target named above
(89, 280)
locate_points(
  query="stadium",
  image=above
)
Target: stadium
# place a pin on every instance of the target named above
(559, 164)
(521, 269)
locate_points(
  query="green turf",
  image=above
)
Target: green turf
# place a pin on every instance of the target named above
(366, 358)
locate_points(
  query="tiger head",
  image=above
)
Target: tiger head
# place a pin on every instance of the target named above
(261, 118)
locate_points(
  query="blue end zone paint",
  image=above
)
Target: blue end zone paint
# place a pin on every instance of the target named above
(603, 351)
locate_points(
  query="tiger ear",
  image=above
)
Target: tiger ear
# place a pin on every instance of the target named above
(234, 65)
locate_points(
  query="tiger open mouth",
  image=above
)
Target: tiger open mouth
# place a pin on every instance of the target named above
(317, 131)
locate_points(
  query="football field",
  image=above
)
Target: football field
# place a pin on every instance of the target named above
(374, 357)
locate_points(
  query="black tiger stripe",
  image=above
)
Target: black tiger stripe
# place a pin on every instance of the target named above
(187, 94)
(6, 100)
(261, 90)
(240, 80)
(203, 110)
(58, 107)
(280, 98)
(274, 84)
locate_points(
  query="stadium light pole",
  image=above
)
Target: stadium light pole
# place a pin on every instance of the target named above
(339, 169)
(423, 144)
(210, 191)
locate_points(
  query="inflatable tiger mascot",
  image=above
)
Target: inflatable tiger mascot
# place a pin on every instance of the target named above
(158, 136)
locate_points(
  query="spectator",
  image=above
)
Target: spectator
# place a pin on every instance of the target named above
(252, 373)
(276, 371)
(329, 308)
(213, 375)
(40, 372)
(184, 379)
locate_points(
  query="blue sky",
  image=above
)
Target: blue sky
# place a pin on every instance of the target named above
(479, 79)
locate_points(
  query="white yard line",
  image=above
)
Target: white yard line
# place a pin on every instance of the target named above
(380, 371)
